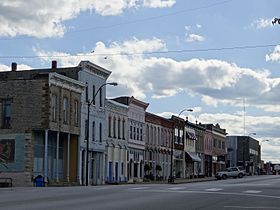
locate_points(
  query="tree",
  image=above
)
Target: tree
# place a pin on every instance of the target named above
(147, 168)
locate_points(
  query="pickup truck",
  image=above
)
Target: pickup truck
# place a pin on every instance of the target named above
(230, 172)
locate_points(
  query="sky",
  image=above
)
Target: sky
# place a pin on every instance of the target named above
(217, 57)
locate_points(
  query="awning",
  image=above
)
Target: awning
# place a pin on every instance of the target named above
(193, 156)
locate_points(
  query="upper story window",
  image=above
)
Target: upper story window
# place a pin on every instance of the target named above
(86, 92)
(76, 113)
(123, 129)
(53, 107)
(215, 142)
(114, 127)
(119, 128)
(100, 132)
(130, 132)
(109, 126)
(65, 110)
(93, 94)
(100, 97)
(7, 113)
(93, 131)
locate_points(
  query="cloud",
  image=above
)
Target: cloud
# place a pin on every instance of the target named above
(45, 18)
(274, 56)
(159, 3)
(262, 23)
(216, 81)
(194, 38)
(19, 67)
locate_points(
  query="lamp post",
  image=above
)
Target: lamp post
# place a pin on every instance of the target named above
(260, 168)
(248, 136)
(171, 178)
(87, 133)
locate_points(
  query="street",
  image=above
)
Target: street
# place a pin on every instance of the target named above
(252, 192)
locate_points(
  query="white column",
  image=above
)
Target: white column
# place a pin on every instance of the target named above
(68, 158)
(46, 155)
(57, 156)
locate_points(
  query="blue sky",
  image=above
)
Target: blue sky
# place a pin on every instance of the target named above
(213, 56)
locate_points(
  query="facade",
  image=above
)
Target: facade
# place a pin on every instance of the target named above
(219, 150)
(244, 151)
(94, 77)
(192, 153)
(158, 146)
(117, 142)
(40, 126)
(136, 138)
(178, 147)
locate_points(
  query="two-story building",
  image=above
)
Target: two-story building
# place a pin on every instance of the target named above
(136, 138)
(158, 146)
(117, 142)
(40, 125)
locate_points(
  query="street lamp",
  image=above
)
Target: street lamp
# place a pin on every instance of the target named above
(171, 178)
(88, 111)
(248, 136)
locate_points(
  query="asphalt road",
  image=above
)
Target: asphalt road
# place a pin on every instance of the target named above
(256, 192)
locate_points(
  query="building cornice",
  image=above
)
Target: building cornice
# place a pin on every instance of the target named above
(66, 82)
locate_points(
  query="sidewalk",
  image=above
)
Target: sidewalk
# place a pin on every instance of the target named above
(178, 181)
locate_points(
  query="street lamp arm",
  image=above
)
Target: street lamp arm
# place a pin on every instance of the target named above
(184, 110)
(109, 83)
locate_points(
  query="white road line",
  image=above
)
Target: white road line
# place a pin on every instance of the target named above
(213, 189)
(252, 191)
(140, 188)
(251, 207)
(176, 188)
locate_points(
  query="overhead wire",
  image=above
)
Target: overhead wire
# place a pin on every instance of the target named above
(244, 47)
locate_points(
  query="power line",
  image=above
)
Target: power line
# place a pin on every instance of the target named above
(142, 53)
(131, 22)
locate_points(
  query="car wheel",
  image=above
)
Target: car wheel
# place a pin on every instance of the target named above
(224, 176)
(240, 175)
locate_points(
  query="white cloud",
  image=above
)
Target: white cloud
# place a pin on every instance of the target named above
(194, 38)
(19, 67)
(159, 3)
(198, 26)
(275, 55)
(216, 81)
(45, 18)
(262, 23)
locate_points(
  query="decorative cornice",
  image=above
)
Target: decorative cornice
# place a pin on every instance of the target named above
(95, 69)
(66, 82)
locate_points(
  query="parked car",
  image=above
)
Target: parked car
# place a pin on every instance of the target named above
(230, 172)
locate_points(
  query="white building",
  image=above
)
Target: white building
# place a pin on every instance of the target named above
(94, 76)
(136, 138)
(117, 142)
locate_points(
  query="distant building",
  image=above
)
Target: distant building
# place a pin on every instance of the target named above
(244, 151)
(158, 146)
(218, 149)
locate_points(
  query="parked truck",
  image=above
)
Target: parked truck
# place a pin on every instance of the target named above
(234, 172)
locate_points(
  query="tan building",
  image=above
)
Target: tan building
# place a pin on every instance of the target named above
(40, 125)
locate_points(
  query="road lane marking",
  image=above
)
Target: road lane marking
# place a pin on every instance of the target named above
(176, 188)
(251, 207)
(140, 188)
(213, 193)
(252, 191)
(213, 189)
